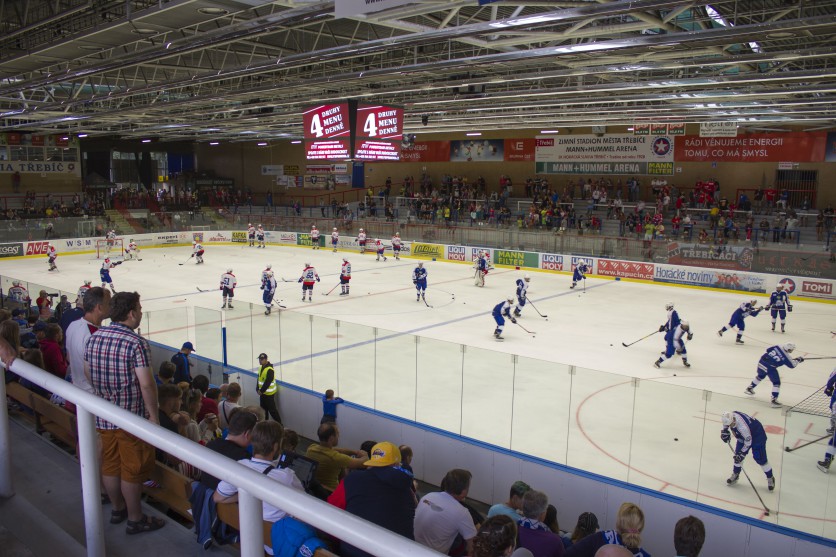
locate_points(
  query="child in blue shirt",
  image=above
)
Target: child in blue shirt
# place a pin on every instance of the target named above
(329, 407)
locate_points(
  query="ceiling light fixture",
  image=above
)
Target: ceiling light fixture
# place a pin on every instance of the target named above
(146, 141)
(82, 135)
(213, 143)
(212, 11)
(549, 131)
(296, 142)
(262, 144)
(143, 31)
(473, 134)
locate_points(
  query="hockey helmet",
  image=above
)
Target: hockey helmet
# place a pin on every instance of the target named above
(754, 301)
(527, 278)
(307, 264)
(345, 259)
(107, 260)
(779, 286)
(249, 224)
(229, 270)
(335, 229)
(669, 306)
(313, 227)
(727, 418)
(361, 230)
(420, 264)
(269, 266)
(685, 325)
(16, 283)
(88, 282)
(510, 298)
(260, 225)
(397, 234)
(789, 347)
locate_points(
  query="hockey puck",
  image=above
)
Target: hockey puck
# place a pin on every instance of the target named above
(610, 344)
(676, 438)
(674, 375)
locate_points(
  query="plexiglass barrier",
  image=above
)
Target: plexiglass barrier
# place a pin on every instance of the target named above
(650, 433)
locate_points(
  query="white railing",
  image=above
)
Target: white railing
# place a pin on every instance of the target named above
(253, 486)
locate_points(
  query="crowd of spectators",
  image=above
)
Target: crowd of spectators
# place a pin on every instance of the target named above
(55, 207)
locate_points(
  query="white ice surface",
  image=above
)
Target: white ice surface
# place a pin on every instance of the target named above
(604, 422)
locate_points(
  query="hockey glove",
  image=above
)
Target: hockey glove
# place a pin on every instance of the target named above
(738, 457)
(300, 279)
(799, 359)
(767, 307)
(829, 391)
(192, 255)
(661, 328)
(415, 282)
(317, 279)
(690, 336)
(513, 320)
(789, 307)
(725, 435)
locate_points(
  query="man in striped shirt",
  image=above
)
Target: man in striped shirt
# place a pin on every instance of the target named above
(117, 362)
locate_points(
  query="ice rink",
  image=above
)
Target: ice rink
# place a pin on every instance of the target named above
(566, 393)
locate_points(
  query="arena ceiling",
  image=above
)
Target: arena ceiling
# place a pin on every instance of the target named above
(241, 70)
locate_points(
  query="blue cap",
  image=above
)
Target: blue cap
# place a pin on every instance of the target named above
(188, 345)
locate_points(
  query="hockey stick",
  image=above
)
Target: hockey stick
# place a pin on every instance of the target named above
(766, 510)
(335, 287)
(425, 301)
(535, 307)
(814, 441)
(584, 286)
(822, 358)
(277, 304)
(517, 323)
(186, 261)
(641, 339)
(287, 280)
(199, 289)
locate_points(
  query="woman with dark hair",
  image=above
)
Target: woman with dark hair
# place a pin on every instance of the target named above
(497, 538)
(587, 525)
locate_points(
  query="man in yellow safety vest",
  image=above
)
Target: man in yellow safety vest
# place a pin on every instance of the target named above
(267, 387)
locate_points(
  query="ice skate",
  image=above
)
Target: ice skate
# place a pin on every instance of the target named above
(831, 430)
(267, 311)
(775, 402)
(230, 306)
(573, 285)
(733, 478)
(773, 326)
(824, 465)
(720, 333)
(782, 328)
(749, 391)
(738, 341)
(685, 362)
(418, 298)
(770, 483)
(658, 363)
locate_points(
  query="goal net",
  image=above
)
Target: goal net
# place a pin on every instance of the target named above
(109, 248)
(817, 404)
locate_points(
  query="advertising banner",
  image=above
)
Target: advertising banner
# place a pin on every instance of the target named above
(590, 262)
(426, 151)
(718, 129)
(609, 154)
(280, 237)
(41, 167)
(11, 250)
(479, 150)
(516, 258)
(625, 269)
(789, 263)
(305, 240)
(428, 251)
(36, 248)
(738, 258)
(239, 237)
(762, 147)
(746, 282)
(474, 253)
(221, 236)
(520, 150)
(816, 289)
(456, 253)
(551, 262)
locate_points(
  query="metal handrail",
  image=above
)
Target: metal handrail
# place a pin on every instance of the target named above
(253, 486)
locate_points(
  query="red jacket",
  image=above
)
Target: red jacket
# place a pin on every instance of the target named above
(54, 361)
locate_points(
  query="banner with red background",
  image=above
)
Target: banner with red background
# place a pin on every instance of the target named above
(762, 147)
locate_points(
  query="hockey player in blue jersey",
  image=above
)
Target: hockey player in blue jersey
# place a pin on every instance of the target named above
(104, 273)
(745, 310)
(750, 435)
(772, 359)
(830, 390)
(580, 273)
(500, 312)
(676, 344)
(522, 293)
(672, 323)
(419, 279)
(779, 305)
(268, 285)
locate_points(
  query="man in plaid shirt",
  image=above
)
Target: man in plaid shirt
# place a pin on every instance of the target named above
(117, 362)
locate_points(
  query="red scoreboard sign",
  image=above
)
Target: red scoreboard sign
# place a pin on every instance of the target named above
(326, 121)
(380, 122)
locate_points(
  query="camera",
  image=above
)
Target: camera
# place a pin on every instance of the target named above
(55, 295)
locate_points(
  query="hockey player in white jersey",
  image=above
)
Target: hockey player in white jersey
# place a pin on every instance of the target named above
(361, 241)
(345, 277)
(82, 290)
(52, 255)
(335, 239)
(132, 251)
(396, 246)
(308, 278)
(18, 293)
(267, 269)
(314, 237)
(197, 252)
(269, 287)
(251, 234)
(380, 248)
(104, 273)
(522, 292)
(110, 237)
(228, 282)
(259, 236)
